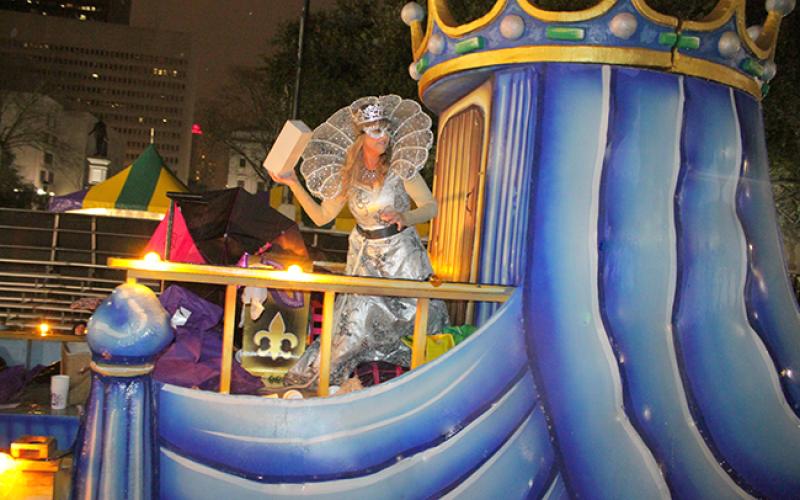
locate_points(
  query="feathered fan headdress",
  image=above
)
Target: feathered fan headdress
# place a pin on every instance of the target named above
(409, 130)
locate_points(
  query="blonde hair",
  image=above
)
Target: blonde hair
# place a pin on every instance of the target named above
(354, 162)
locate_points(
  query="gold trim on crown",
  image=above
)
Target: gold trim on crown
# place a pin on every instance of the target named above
(654, 15)
(440, 12)
(674, 61)
(555, 16)
(628, 56)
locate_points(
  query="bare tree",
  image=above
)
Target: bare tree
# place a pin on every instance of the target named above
(29, 120)
(246, 112)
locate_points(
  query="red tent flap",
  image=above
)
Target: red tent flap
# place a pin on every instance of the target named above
(182, 248)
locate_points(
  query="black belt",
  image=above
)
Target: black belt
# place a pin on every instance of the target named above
(376, 234)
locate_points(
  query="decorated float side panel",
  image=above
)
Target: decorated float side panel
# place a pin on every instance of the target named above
(654, 342)
(771, 307)
(427, 434)
(581, 382)
(752, 428)
(637, 265)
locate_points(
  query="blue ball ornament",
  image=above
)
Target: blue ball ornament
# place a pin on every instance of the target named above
(130, 327)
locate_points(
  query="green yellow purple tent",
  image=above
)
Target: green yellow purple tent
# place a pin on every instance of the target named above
(139, 191)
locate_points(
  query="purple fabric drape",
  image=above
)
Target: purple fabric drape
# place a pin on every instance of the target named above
(71, 201)
(193, 360)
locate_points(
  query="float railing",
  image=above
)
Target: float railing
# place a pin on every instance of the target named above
(328, 284)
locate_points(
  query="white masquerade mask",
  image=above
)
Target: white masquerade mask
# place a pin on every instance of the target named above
(376, 131)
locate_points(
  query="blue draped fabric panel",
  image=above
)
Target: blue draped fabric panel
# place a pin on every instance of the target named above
(509, 174)
(602, 454)
(637, 271)
(736, 397)
(771, 306)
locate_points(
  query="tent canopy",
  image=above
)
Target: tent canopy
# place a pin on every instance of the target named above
(139, 191)
(218, 227)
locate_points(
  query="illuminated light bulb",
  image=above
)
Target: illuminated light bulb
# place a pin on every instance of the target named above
(152, 258)
(43, 328)
(295, 270)
(6, 463)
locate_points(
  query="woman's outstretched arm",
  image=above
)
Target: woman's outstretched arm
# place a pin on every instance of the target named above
(320, 214)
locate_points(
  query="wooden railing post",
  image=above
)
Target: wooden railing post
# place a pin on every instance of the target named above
(325, 344)
(420, 333)
(227, 339)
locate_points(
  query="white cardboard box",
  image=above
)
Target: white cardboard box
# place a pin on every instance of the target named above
(288, 147)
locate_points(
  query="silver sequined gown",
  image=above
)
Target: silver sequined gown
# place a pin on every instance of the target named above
(367, 328)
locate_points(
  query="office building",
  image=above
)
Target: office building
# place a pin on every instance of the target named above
(107, 11)
(140, 82)
(209, 163)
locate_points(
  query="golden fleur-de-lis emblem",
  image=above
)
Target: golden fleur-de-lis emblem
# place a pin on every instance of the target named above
(280, 343)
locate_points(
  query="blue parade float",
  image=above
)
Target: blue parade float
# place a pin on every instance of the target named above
(608, 168)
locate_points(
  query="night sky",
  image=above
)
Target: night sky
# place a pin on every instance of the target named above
(229, 33)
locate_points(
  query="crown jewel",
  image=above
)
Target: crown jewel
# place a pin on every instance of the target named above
(720, 47)
(369, 113)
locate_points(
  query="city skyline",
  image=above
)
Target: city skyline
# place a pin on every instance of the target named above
(224, 34)
(138, 81)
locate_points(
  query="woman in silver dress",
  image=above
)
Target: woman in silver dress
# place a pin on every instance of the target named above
(369, 155)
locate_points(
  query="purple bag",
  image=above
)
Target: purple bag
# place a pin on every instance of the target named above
(193, 360)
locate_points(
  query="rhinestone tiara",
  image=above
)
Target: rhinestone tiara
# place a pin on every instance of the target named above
(369, 113)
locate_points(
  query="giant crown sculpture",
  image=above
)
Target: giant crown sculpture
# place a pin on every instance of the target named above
(720, 47)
